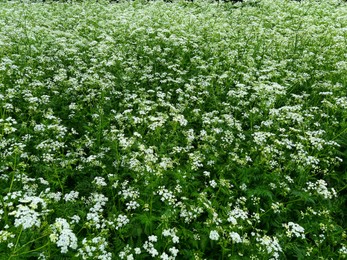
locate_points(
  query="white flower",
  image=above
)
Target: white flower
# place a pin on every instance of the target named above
(276, 207)
(213, 184)
(152, 238)
(153, 252)
(122, 220)
(4, 235)
(130, 257)
(63, 236)
(272, 245)
(175, 239)
(235, 237)
(172, 233)
(206, 173)
(75, 219)
(174, 251)
(132, 205)
(54, 196)
(166, 232)
(321, 188)
(214, 235)
(72, 196)
(164, 256)
(180, 119)
(167, 195)
(237, 213)
(96, 248)
(99, 181)
(34, 201)
(232, 220)
(26, 217)
(343, 250)
(294, 229)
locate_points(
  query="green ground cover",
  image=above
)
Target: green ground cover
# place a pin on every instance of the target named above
(173, 130)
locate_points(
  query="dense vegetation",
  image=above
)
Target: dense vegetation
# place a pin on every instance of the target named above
(173, 131)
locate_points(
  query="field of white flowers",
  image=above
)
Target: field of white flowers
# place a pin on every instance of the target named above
(173, 130)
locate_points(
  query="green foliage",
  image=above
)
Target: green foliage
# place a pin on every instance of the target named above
(189, 130)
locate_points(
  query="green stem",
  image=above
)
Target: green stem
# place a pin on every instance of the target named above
(345, 187)
(13, 170)
(11, 182)
(36, 249)
(336, 136)
(31, 241)
(60, 184)
(20, 233)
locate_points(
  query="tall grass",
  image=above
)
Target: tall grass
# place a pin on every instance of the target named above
(173, 131)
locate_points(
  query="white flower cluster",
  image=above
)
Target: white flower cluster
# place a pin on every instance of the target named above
(33, 201)
(214, 235)
(95, 212)
(56, 196)
(128, 191)
(261, 137)
(235, 237)
(94, 248)
(166, 195)
(42, 256)
(271, 244)
(5, 235)
(127, 254)
(213, 183)
(191, 212)
(149, 246)
(100, 181)
(121, 220)
(181, 117)
(173, 251)
(235, 214)
(7, 125)
(132, 205)
(276, 207)
(320, 186)
(293, 229)
(63, 236)
(343, 251)
(196, 160)
(71, 196)
(26, 215)
(172, 233)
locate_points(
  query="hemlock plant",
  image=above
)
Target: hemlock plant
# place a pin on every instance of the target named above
(173, 130)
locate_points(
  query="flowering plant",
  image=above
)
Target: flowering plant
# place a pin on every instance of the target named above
(173, 131)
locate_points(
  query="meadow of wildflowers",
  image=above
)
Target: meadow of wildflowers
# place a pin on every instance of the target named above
(173, 130)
